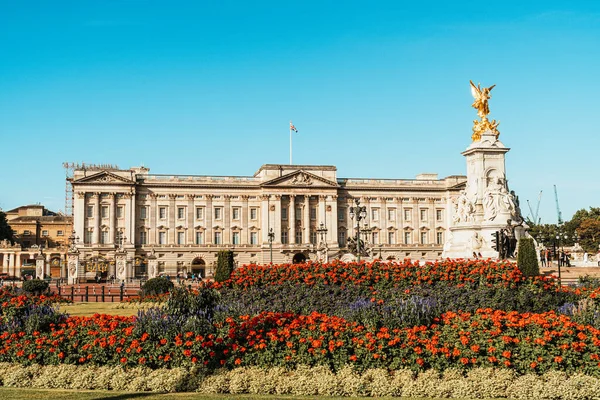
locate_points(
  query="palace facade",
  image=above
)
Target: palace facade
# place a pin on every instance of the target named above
(283, 213)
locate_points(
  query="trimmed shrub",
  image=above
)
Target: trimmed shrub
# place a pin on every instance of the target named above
(35, 286)
(527, 258)
(224, 265)
(156, 286)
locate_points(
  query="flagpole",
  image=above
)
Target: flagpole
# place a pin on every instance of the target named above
(290, 142)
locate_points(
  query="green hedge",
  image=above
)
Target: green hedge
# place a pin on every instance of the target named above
(35, 286)
(156, 286)
(527, 258)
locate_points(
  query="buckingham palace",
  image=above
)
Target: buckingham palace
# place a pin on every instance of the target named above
(281, 214)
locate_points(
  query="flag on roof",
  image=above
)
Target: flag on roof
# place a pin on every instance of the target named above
(292, 127)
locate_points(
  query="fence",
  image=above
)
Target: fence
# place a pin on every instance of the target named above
(99, 296)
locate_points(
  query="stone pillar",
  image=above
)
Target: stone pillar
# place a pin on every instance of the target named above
(152, 266)
(277, 219)
(40, 266)
(292, 219)
(227, 219)
(245, 239)
(332, 228)
(190, 221)
(72, 267)
(208, 235)
(5, 263)
(96, 233)
(306, 219)
(121, 264)
(151, 216)
(79, 214)
(321, 212)
(171, 219)
(63, 267)
(111, 218)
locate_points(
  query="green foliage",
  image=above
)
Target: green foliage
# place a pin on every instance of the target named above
(224, 265)
(6, 231)
(527, 258)
(157, 286)
(186, 303)
(35, 286)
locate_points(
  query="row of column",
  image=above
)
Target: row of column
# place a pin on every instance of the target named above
(112, 202)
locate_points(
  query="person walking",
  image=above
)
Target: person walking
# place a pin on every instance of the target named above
(543, 258)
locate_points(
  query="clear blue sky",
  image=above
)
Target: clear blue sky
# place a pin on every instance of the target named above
(379, 89)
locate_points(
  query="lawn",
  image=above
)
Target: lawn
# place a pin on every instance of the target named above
(34, 394)
(89, 309)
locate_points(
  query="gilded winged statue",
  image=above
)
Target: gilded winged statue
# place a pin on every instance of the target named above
(481, 96)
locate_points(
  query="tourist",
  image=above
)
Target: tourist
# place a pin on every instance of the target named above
(543, 258)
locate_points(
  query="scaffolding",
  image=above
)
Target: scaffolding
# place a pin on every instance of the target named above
(70, 168)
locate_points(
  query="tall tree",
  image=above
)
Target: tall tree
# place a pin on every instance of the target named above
(6, 231)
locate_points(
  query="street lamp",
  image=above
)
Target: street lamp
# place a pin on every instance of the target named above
(271, 235)
(322, 231)
(360, 212)
(73, 241)
(120, 238)
(561, 237)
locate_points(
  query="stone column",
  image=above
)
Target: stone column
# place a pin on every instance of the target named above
(79, 214)
(306, 219)
(416, 221)
(63, 267)
(40, 266)
(277, 219)
(72, 267)
(121, 264)
(96, 234)
(111, 218)
(332, 228)
(321, 213)
(245, 239)
(151, 217)
(227, 219)
(130, 206)
(5, 263)
(208, 234)
(264, 217)
(191, 217)
(171, 219)
(292, 219)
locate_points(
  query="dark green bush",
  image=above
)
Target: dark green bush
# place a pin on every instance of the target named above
(35, 286)
(527, 258)
(157, 286)
(224, 265)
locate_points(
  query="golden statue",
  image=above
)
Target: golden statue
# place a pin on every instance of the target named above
(481, 96)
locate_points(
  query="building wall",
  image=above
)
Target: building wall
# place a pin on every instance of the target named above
(185, 220)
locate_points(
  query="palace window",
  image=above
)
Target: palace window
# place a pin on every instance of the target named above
(180, 212)
(341, 214)
(104, 211)
(235, 237)
(235, 213)
(253, 238)
(375, 237)
(180, 237)
(407, 213)
(423, 212)
(44, 233)
(104, 237)
(199, 237)
(423, 237)
(87, 238)
(313, 213)
(90, 211)
(284, 237)
(375, 214)
(143, 237)
(253, 213)
(407, 238)
(217, 237)
(162, 237)
(439, 237)
(284, 213)
(298, 213)
(391, 238)
(119, 211)
(162, 212)
(26, 233)
(143, 212)
(391, 214)
(342, 238)
(298, 236)
(199, 212)
(60, 233)
(218, 213)
(313, 237)
(439, 215)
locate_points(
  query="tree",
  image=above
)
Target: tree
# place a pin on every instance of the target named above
(224, 265)
(527, 258)
(589, 234)
(6, 231)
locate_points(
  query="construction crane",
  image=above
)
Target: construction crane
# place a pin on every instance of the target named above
(560, 220)
(535, 219)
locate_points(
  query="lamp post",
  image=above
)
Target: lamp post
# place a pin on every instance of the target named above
(361, 213)
(322, 231)
(271, 235)
(559, 244)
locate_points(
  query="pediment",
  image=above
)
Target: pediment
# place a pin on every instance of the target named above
(105, 177)
(300, 178)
